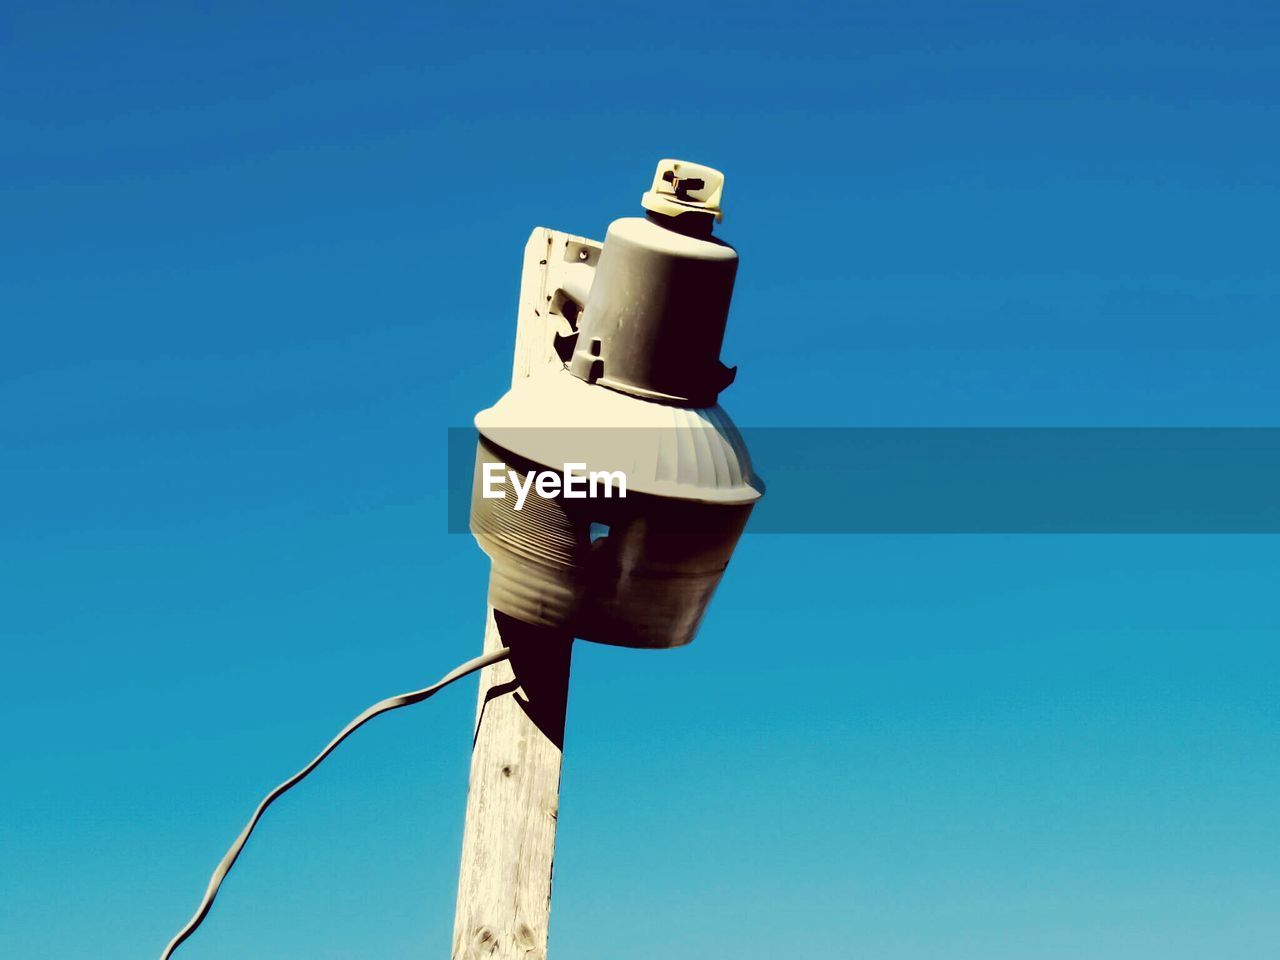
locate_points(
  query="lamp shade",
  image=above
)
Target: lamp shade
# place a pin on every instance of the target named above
(686, 453)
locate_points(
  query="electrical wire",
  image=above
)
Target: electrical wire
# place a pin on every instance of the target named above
(382, 706)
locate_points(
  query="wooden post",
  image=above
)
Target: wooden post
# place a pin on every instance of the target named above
(508, 843)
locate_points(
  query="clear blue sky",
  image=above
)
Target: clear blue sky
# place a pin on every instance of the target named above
(256, 258)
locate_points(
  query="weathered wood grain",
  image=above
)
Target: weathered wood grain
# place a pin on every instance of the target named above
(508, 845)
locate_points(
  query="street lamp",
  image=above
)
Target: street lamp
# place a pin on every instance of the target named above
(610, 492)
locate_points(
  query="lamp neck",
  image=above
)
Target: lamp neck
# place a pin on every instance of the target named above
(692, 224)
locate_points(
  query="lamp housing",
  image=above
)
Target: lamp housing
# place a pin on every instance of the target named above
(632, 555)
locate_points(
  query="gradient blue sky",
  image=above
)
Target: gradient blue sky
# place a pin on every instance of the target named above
(257, 258)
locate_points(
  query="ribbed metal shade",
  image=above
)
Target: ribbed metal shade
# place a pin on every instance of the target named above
(683, 453)
(636, 571)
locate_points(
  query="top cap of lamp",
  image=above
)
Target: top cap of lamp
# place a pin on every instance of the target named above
(653, 322)
(683, 187)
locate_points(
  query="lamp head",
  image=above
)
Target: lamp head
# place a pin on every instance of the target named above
(609, 494)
